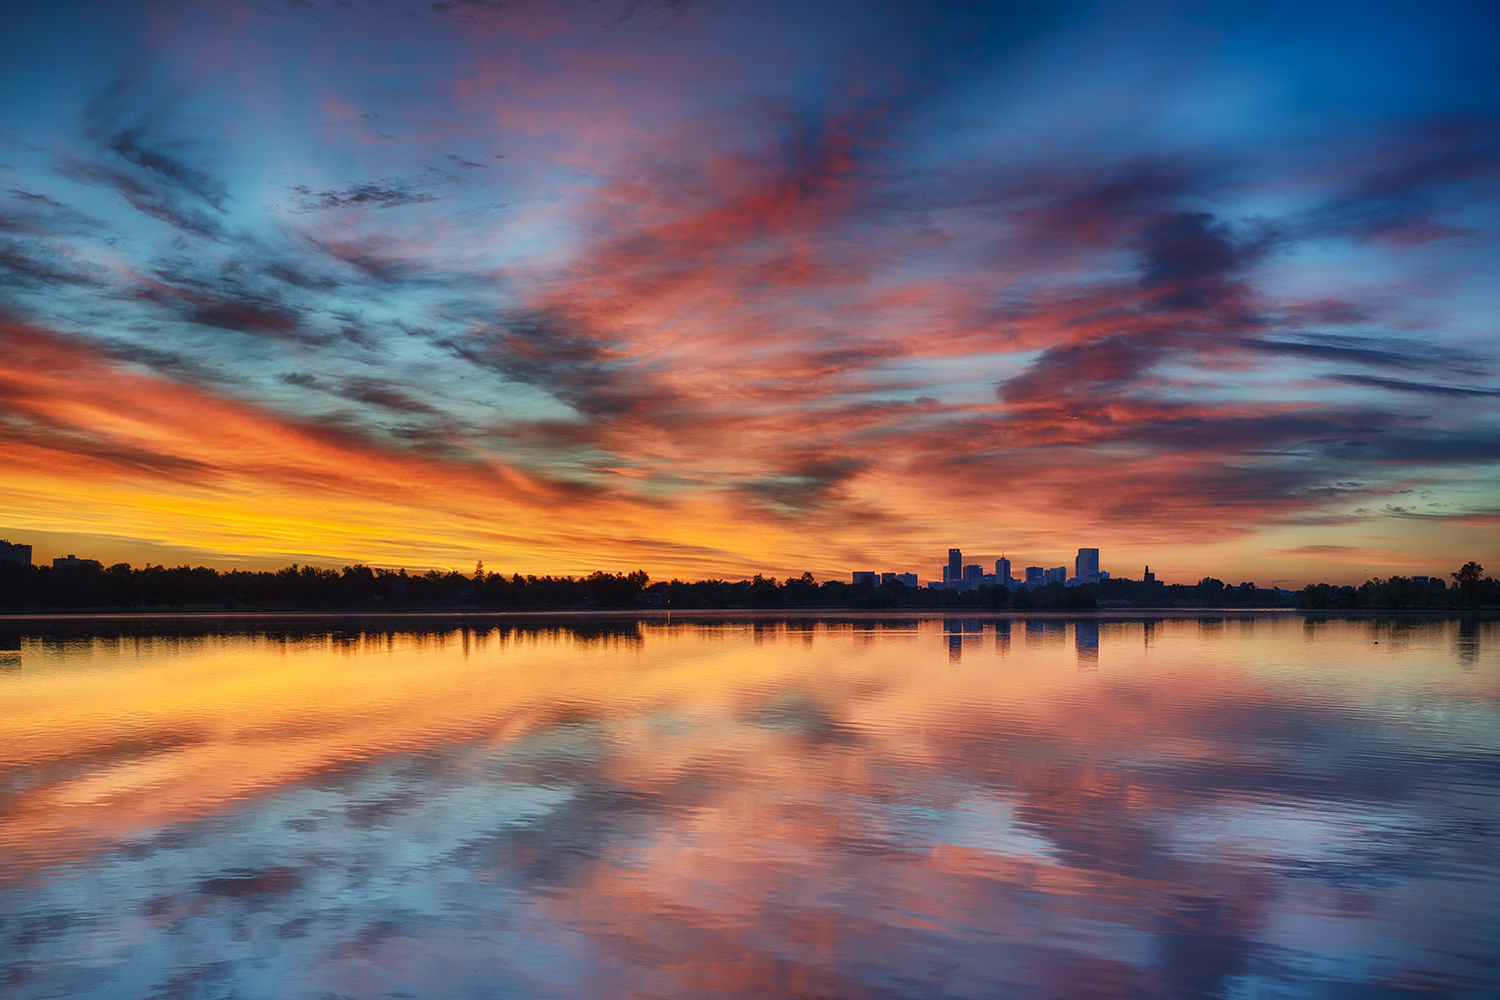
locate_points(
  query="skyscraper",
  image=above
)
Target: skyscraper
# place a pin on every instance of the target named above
(1002, 572)
(955, 568)
(1086, 566)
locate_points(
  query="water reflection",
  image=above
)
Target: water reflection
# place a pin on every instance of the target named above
(1086, 642)
(960, 631)
(750, 806)
(1468, 641)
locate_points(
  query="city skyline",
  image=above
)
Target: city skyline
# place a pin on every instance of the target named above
(712, 290)
(1006, 571)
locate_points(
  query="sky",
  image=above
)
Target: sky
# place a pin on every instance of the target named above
(713, 289)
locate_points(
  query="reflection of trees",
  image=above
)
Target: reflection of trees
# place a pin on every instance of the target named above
(1467, 646)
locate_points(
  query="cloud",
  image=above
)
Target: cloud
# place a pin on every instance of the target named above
(147, 199)
(1402, 385)
(557, 353)
(127, 144)
(34, 264)
(1380, 352)
(366, 195)
(125, 122)
(1399, 193)
(227, 308)
(371, 392)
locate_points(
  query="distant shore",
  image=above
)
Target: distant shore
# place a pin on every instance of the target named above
(763, 614)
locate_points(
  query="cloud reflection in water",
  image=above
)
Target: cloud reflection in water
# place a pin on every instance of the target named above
(876, 808)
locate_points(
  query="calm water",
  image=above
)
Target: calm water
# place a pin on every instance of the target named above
(742, 807)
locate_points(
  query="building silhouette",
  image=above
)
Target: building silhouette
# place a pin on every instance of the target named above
(1086, 566)
(73, 562)
(15, 553)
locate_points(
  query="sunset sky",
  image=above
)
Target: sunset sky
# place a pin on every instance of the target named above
(712, 288)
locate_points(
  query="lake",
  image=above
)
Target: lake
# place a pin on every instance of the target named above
(746, 805)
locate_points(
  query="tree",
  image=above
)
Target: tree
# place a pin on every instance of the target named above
(1470, 581)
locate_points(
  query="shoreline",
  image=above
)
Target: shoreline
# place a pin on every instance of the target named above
(764, 614)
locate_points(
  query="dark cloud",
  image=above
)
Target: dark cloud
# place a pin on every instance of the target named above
(227, 308)
(171, 363)
(36, 265)
(148, 464)
(1401, 385)
(1380, 352)
(147, 198)
(382, 394)
(1082, 371)
(553, 352)
(373, 258)
(806, 481)
(1401, 192)
(1190, 262)
(126, 120)
(371, 392)
(38, 215)
(128, 144)
(299, 276)
(368, 195)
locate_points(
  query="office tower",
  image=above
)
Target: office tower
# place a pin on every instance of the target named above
(1002, 572)
(1086, 566)
(910, 579)
(973, 571)
(954, 570)
(1057, 574)
(862, 577)
(1034, 576)
(15, 553)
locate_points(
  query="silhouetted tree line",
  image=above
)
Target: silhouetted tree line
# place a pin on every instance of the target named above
(1470, 589)
(122, 586)
(368, 588)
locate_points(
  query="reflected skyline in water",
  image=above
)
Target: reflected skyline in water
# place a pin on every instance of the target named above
(744, 805)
